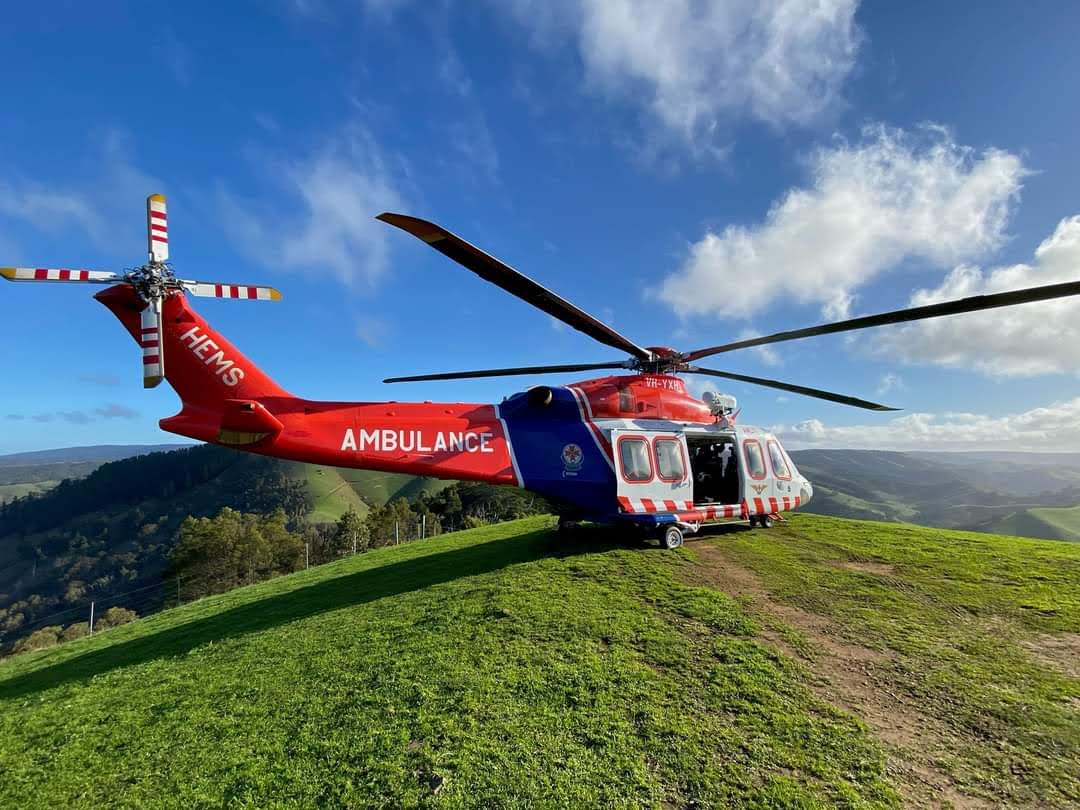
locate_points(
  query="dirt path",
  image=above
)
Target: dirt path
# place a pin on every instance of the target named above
(858, 679)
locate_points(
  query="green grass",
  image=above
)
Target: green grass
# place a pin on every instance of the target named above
(957, 615)
(1066, 520)
(330, 492)
(381, 487)
(588, 677)
(9, 492)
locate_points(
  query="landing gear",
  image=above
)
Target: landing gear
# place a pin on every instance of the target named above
(567, 527)
(672, 537)
(761, 521)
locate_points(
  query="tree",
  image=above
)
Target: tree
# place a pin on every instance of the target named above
(234, 548)
(114, 617)
(39, 639)
(352, 535)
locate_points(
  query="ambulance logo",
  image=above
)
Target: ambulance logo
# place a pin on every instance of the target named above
(572, 457)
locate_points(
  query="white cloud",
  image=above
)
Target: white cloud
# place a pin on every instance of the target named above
(1025, 340)
(696, 64)
(890, 382)
(326, 222)
(104, 203)
(869, 206)
(1052, 428)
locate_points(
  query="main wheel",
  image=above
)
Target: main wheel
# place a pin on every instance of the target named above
(765, 522)
(753, 521)
(672, 537)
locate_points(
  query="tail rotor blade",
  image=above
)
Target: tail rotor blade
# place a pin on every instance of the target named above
(59, 274)
(150, 340)
(243, 292)
(157, 228)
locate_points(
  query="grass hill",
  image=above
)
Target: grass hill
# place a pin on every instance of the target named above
(994, 492)
(824, 663)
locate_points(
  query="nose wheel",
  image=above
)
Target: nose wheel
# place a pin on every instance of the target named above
(671, 537)
(761, 521)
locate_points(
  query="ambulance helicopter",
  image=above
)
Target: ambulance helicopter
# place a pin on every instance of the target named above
(632, 448)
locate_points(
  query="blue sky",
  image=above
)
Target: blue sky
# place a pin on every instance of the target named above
(690, 175)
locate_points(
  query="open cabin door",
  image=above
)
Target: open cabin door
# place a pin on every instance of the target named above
(652, 471)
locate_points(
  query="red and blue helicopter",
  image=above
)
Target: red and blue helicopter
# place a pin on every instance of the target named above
(631, 448)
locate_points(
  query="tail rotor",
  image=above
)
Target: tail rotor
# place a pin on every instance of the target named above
(154, 282)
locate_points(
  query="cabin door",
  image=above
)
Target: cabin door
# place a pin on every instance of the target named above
(652, 472)
(758, 483)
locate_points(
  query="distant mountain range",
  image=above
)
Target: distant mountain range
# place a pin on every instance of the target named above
(1028, 494)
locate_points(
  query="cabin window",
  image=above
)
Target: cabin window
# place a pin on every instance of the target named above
(626, 399)
(755, 459)
(670, 464)
(779, 463)
(635, 459)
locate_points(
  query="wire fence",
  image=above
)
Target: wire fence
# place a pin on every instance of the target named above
(177, 589)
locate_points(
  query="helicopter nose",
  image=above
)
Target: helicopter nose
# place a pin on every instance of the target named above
(806, 492)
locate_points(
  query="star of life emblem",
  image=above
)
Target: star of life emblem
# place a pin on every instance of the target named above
(572, 457)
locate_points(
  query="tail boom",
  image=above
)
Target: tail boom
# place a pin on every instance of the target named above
(228, 400)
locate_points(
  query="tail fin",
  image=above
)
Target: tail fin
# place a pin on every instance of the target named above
(226, 398)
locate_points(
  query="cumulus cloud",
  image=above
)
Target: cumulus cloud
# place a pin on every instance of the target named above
(892, 196)
(1025, 340)
(1052, 428)
(324, 221)
(695, 64)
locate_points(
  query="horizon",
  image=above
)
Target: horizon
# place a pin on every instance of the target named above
(773, 179)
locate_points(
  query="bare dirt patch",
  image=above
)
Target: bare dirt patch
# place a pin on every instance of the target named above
(878, 569)
(1060, 651)
(858, 679)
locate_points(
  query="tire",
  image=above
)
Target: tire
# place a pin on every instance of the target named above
(753, 521)
(765, 521)
(672, 538)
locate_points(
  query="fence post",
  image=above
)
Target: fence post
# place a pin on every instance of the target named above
(91, 619)
(307, 555)
(397, 535)
(423, 523)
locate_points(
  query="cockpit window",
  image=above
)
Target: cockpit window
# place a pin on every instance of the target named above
(779, 463)
(755, 458)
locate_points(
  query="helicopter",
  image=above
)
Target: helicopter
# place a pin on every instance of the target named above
(632, 448)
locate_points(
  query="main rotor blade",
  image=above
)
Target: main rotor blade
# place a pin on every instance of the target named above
(244, 292)
(974, 303)
(517, 284)
(506, 372)
(817, 393)
(58, 274)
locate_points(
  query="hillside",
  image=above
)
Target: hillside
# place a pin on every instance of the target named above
(41, 470)
(997, 492)
(826, 663)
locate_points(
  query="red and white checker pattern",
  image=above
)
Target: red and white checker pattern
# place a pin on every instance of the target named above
(56, 274)
(250, 292)
(157, 227)
(687, 511)
(150, 341)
